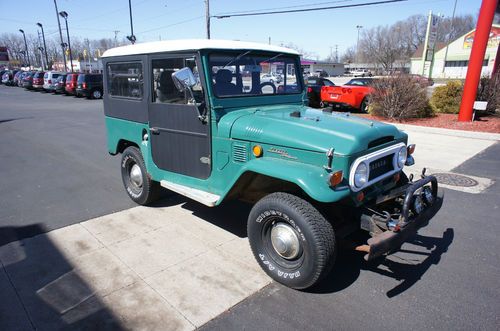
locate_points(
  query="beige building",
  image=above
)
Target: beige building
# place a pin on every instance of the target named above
(457, 57)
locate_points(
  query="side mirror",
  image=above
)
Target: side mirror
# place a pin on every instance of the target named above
(184, 79)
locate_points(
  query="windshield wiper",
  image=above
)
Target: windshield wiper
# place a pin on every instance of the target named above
(272, 58)
(237, 57)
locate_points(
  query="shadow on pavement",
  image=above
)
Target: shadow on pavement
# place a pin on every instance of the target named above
(230, 216)
(405, 265)
(41, 289)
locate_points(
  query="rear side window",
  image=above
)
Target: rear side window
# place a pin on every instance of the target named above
(125, 80)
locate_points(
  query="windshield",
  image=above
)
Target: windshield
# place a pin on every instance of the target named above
(248, 73)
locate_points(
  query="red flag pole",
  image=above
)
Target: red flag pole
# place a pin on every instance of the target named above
(486, 14)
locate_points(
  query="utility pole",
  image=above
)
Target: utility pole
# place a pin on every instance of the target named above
(116, 37)
(60, 35)
(336, 53)
(207, 17)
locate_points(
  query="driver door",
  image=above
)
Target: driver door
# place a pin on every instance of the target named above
(180, 141)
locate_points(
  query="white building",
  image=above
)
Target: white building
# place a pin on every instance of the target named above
(452, 63)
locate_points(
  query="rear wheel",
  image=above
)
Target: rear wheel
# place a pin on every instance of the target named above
(364, 106)
(96, 94)
(291, 240)
(138, 184)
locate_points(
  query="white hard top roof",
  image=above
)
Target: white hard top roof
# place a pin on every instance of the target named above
(192, 45)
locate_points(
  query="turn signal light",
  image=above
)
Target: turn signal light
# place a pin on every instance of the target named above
(335, 178)
(360, 196)
(411, 149)
(397, 177)
(257, 150)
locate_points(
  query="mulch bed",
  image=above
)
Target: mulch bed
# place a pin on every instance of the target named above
(449, 121)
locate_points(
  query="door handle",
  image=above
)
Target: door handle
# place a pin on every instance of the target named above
(154, 131)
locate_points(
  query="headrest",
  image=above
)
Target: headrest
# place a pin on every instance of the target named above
(224, 76)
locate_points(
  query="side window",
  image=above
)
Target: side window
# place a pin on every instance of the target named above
(125, 80)
(164, 90)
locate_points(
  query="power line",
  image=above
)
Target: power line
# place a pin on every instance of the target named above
(308, 9)
(286, 7)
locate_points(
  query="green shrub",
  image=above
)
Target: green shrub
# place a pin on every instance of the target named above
(446, 98)
(489, 90)
(399, 97)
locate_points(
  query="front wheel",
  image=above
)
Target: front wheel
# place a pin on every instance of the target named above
(138, 184)
(291, 240)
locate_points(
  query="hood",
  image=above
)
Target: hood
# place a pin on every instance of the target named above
(308, 129)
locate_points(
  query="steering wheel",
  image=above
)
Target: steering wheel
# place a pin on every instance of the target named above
(267, 84)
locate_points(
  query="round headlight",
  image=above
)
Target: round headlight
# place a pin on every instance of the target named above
(402, 155)
(361, 175)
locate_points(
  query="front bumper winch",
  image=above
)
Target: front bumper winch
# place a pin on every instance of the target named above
(419, 202)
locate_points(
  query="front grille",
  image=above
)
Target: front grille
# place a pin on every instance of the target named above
(381, 166)
(240, 153)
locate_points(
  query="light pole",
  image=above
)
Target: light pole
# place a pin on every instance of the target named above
(131, 37)
(44, 45)
(25, 48)
(207, 17)
(359, 27)
(65, 16)
(60, 35)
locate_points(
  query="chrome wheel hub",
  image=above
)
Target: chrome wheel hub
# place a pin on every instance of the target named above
(136, 175)
(285, 241)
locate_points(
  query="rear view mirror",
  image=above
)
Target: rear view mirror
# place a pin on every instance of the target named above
(184, 79)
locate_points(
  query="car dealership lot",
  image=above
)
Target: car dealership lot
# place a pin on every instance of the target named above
(133, 268)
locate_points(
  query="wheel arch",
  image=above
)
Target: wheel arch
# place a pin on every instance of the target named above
(267, 176)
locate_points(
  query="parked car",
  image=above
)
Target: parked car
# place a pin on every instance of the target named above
(320, 73)
(422, 80)
(71, 80)
(312, 177)
(8, 77)
(354, 94)
(60, 85)
(17, 78)
(1, 74)
(314, 85)
(49, 80)
(361, 73)
(27, 81)
(271, 78)
(89, 85)
(38, 80)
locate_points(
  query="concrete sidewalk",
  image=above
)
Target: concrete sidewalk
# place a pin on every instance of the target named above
(174, 266)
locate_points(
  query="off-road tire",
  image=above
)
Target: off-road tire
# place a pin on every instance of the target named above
(314, 232)
(150, 190)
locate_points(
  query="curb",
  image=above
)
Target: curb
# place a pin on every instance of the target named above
(449, 132)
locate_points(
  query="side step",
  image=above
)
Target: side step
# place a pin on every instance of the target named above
(206, 198)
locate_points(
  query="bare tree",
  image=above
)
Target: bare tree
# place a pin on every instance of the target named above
(381, 45)
(449, 30)
(349, 55)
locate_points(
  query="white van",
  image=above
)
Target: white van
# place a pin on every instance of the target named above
(50, 80)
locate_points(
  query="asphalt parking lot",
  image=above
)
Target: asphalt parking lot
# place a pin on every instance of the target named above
(56, 173)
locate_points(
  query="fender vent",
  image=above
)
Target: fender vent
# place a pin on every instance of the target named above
(240, 153)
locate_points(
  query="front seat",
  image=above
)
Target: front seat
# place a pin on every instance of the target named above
(223, 85)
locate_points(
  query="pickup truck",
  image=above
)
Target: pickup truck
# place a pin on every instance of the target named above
(354, 94)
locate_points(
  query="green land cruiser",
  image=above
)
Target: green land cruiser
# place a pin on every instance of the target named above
(195, 117)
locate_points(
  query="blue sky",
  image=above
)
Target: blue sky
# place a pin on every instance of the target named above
(316, 32)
